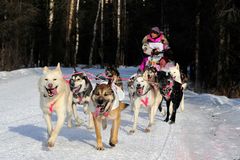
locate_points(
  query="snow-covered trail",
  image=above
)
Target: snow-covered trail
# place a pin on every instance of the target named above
(209, 128)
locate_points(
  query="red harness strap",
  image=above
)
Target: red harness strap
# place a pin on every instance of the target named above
(145, 101)
(51, 107)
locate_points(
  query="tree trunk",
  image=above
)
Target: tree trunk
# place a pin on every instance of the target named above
(197, 72)
(77, 34)
(220, 55)
(50, 24)
(67, 57)
(90, 60)
(118, 54)
(101, 53)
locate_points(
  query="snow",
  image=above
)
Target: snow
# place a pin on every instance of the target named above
(208, 129)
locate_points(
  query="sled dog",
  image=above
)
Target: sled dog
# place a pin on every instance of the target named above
(112, 73)
(178, 77)
(55, 96)
(106, 104)
(150, 74)
(172, 92)
(148, 96)
(81, 88)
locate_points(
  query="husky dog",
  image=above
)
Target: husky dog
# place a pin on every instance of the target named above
(150, 74)
(106, 105)
(81, 88)
(172, 93)
(148, 96)
(130, 85)
(55, 96)
(112, 73)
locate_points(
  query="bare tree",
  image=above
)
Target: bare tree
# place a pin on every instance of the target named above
(101, 53)
(77, 33)
(197, 69)
(68, 34)
(94, 35)
(118, 54)
(50, 24)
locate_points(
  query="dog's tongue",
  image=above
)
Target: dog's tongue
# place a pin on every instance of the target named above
(97, 111)
(75, 89)
(54, 91)
(140, 90)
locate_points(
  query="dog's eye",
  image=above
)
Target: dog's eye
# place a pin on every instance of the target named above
(97, 94)
(46, 79)
(78, 79)
(54, 79)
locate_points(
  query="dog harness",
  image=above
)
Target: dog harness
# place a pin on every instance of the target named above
(51, 106)
(167, 90)
(145, 101)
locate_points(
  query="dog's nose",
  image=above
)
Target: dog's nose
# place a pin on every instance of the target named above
(50, 85)
(138, 85)
(100, 101)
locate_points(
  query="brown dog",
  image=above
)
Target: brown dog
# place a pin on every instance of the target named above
(106, 106)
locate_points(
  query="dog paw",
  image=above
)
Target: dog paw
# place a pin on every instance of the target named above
(146, 130)
(171, 122)
(50, 144)
(111, 144)
(69, 125)
(163, 112)
(100, 148)
(132, 131)
(79, 122)
(166, 120)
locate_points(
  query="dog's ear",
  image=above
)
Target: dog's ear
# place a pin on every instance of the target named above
(45, 69)
(58, 68)
(177, 66)
(84, 74)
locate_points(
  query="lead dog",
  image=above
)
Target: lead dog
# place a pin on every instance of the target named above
(55, 96)
(148, 96)
(106, 105)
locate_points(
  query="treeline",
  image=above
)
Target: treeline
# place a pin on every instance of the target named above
(204, 35)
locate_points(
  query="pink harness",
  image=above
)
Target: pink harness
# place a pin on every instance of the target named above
(145, 101)
(51, 106)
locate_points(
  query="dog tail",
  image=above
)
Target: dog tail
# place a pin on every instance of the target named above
(123, 106)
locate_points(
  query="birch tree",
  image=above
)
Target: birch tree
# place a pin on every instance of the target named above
(69, 30)
(101, 53)
(118, 54)
(77, 33)
(50, 24)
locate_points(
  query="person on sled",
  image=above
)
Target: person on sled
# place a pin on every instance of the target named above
(154, 44)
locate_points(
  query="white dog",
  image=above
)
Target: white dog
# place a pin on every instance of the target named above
(55, 96)
(148, 96)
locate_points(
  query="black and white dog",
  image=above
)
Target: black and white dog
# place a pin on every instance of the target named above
(172, 92)
(81, 88)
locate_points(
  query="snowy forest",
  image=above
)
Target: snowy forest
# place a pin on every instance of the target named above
(203, 35)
